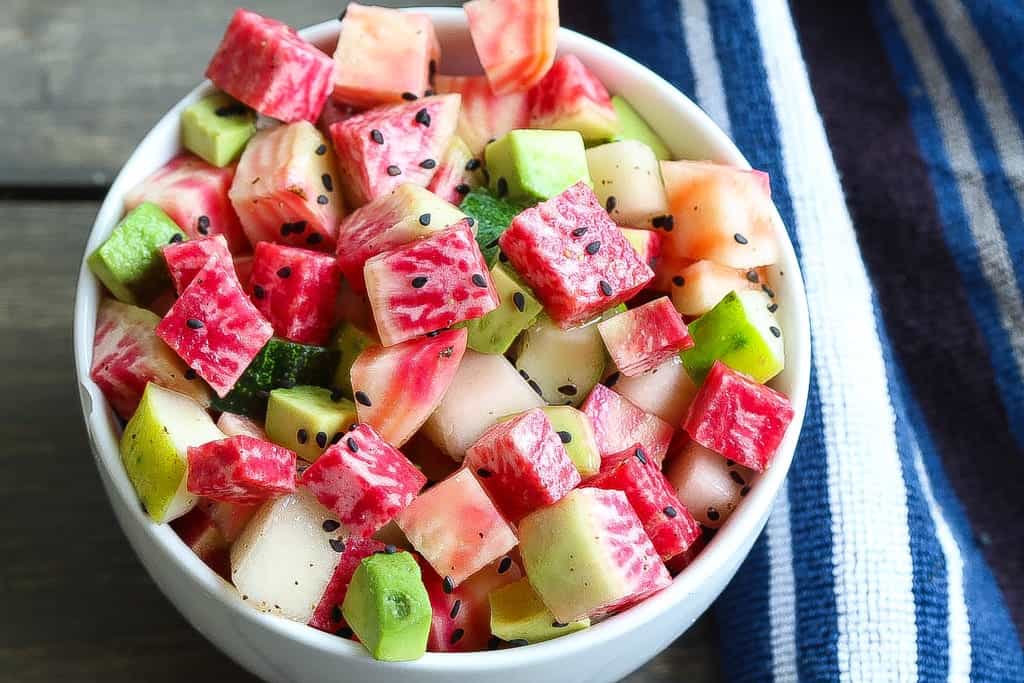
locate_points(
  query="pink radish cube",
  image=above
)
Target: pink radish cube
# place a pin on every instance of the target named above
(485, 116)
(515, 40)
(364, 481)
(571, 97)
(264, 64)
(327, 616)
(618, 424)
(738, 418)
(185, 259)
(240, 469)
(643, 338)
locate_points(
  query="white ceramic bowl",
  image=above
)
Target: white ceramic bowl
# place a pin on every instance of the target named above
(285, 652)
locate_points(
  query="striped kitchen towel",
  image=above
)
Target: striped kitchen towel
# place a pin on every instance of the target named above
(892, 130)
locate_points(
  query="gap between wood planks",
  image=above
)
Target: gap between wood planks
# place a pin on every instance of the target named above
(53, 193)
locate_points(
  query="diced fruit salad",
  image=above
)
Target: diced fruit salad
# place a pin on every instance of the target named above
(474, 345)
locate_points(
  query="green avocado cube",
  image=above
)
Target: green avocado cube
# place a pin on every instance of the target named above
(388, 608)
(632, 126)
(495, 332)
(281, 363)
(129, 262)
(154, 449)
(308, 420)
(536, 164)
(492, 216)
(742, 332)
(517, 613)
(217, 128)
(349, 342)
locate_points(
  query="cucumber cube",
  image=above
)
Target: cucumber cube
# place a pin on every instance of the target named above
(492, 216)
(633, 127)
(517, 613)
(217, 129)
(349, 342)
(536, 164)
(308, 419)
(495, 332)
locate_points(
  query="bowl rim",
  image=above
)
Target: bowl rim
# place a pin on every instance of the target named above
(747, 521)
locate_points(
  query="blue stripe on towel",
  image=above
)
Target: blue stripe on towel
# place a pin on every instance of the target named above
(651, 32)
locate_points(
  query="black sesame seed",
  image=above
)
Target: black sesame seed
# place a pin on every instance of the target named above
(568, 389)
(612, 379)
(606, 288)
(502, 187)
(429, 92)
(361, 397)
(493, 642)
(484, 473)
(321, 439)
(321, 150)
(194, 324)
(345, 632)
(337, 545)
(203, 224)
(434, 333)
(314, 238)
(390, 549)
(740, 239)
(520, 301)
(479, 280)
(470, 221)
(678, 281)
(505, 564)
(327, 181)
(424, 219)
(353, 427)
(284, 272)
(502, 257)
(670, 512)
(336, 613)
(409, 96)
(772, 308)
(176, 237)
(524, 374)
(518, 642)
(565, 436)
(753, 277)
(744, 491)
(336, 439)
(579, 232)
(713, 514)
(352, 445)
(330, 525)
(670, 222)
(190, 374)
(640, 455)
(472, 165)
(535, 387)
(428, 163)
(423, 117)
(455, 609)
(457, 635)
(776, 332)
(322, 199)
(736, 477)
(593, 248)
(230, 110)
(463, 189)
(377, 136)
(448, 585)
(659, 221)
(394, 170)
(302, 436)
(558, 624)
(609, 204)
(336, 394)
(419, 281)
(768, 290)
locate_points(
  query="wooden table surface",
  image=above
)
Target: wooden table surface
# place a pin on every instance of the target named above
(81, 83)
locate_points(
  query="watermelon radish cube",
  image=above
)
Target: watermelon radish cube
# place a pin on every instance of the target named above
(429, 285)
(484, 115)
(229, 518)
(458, 172)
(571, 97)
(327, 616)
(710, 486)
(741, 332)
(536, 165)
(738, 418)
(214, 328)
(588, 555)
(643, 338)
(485, 388)
(296, 290)
(456, 528)
(286, 556)
(562, 365)
(286, 188)
(406, 214)
(462, 617)
(349, 342)
(574, 257)
(197, 530)
(495, 332)
(514, 39)
(398, 387)
(383, 54)
(128, 263)
(703, 284)
(632, 126)
(240, 469)
(217, 128)
(647, 244)
(387, 146)
(267, 66)
(308, 419)
(185, 259)
(670, 526)
(280, 363)
(363, 480)
(618, 424)
(127, 355)
(195, 195)
(666, 391)
(154, 450)
(522, 464)
(517, 613)
(493, 216)
(720, 213)
(235, 425)
(388, 608)
(627, 181)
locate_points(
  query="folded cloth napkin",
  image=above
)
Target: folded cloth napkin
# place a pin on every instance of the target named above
(892, 130)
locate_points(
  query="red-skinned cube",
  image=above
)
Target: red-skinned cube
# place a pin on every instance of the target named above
(185, 259)
(522, 464)
(327, 616)
(618, 424)
(642, 338)
(296, 289)
(240, 469)
(364, 481)
(574, 257)
(264, 63)
(738, 418)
